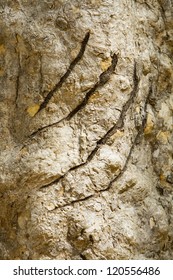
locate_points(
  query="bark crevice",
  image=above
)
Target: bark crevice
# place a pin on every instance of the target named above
(67, 73)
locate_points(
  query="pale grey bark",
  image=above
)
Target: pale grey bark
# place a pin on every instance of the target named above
(86, 129)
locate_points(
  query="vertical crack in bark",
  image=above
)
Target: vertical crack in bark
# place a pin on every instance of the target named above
(18, 74)
(136, 141)
(120, 123)
(17, 86)
(67, 73)
(41, 73)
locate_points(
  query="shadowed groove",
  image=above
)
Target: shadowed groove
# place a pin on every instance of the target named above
(67, 73)
(118, 125)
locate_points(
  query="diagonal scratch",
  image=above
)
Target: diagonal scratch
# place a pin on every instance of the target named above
(118, 125)
(67, 73)
(136, 141)
(103, 79)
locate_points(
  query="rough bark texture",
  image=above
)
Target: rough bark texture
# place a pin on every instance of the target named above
(86, 129)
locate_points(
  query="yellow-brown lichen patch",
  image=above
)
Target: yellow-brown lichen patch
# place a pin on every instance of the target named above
(117, 135)
(24, 152)
(105, 63)
(2, 49)
(1, 72)
(163, 136)
(33, 109)
(149, 125)
(162, 177)
(94, 97)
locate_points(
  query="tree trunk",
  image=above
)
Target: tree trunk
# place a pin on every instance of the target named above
(86, 129)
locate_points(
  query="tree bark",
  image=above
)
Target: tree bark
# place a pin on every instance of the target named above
(86, 129)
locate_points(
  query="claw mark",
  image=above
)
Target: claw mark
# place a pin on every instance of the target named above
(103, 79)
(105, 76)
(67, 73)
(136, 141)
(120, 122)
(19, 72)
(140, 131)
(17, 86)
(118, 125)
(73, 202)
